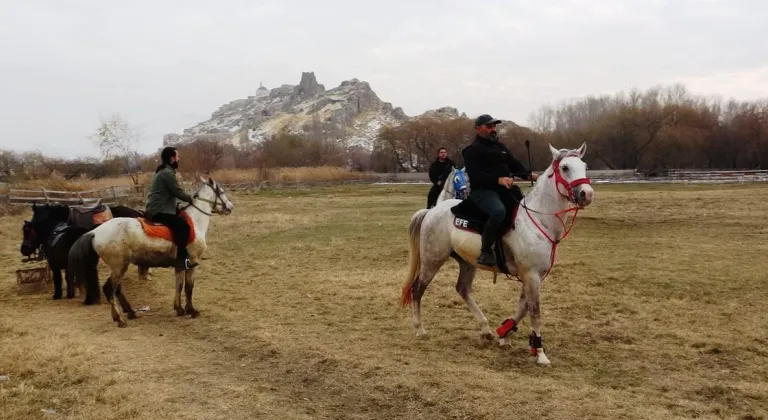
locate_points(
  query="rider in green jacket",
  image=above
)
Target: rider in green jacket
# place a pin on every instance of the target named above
(161, 204)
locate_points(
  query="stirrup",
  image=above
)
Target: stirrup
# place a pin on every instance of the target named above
(186, 264)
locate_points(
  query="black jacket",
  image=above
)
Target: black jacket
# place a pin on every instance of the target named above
(439, 171)
(487, 161)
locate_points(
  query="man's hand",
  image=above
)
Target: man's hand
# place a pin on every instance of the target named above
(534, 176)
(506, 181)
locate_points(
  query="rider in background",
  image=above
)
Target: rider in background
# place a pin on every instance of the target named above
(438, 173)
(490, 167)
(161, 204)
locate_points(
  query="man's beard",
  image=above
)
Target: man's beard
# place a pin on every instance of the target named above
(174, 165)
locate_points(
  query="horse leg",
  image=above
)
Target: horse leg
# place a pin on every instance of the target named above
(510, 324)
(189, 285)
(464, 288)
(69, 275)
(532, 285)
(109, 289)
(177, 298)
(130, 313)
(419, 287)
(143, 272)
(56, 282)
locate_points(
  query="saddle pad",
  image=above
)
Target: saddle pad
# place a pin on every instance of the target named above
(158, 230)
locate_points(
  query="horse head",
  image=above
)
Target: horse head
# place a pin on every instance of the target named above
(31, 242)
(35, 231)
(570, 174)
(212, 193)
(459, 183)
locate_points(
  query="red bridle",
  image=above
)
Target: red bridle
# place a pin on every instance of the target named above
(569, 186)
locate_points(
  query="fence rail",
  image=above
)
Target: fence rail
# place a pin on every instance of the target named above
(108, 195)
(116, 193)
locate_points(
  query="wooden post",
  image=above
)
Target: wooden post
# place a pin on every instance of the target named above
(45, 194)
(114, 195)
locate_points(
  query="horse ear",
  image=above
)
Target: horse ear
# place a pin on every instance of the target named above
(202, 179)
(555, 152)
(582, 150)
(210, 181)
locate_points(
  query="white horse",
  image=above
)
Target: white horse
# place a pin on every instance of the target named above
(123, 241)
(458, 187)
(539, 226)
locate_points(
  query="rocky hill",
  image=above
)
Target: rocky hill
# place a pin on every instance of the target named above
(351, 113)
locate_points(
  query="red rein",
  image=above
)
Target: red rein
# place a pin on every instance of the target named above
(569, 186)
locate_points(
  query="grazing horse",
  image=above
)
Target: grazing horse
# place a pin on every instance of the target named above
(458, 187)
(121, 241)
(529, 239)
(55, 227)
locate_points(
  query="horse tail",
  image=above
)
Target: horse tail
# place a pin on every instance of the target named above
(84, 260)
(414, 240)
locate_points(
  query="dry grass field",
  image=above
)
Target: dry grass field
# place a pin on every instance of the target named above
(656, 309)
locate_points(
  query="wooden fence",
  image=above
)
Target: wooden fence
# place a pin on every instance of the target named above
(117, 193)
(107, 195)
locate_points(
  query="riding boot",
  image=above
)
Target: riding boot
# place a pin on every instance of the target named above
(182, 259)
(487, 256)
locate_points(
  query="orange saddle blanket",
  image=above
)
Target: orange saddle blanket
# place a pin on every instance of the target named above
(157, 230)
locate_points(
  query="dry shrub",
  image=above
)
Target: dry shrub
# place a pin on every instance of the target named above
(223, 176)
(58, 183)
(320, 173)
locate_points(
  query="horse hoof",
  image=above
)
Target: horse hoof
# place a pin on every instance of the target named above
(505, 343)
(422, 333)
(542, 359)
(131, 315)
(193, 313)
(180, 312)
(70, 297)
(122, 324)
(56, 297)
(487, 336)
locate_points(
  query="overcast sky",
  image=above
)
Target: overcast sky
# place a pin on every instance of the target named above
(166, 65)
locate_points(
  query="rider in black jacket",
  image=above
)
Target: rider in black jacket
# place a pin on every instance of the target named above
(491, 167)
(438, 174)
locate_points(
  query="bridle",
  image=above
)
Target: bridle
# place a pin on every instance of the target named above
(569, 186)
(214, 203)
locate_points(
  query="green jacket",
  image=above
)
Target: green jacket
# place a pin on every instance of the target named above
(163, 192)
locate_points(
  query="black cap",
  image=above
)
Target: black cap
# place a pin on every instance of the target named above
(485, 119)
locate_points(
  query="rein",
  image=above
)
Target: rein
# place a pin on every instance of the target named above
(569, 186)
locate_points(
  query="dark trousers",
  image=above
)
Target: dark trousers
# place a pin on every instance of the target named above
(490, 203)
(434, 192)
(179, 228)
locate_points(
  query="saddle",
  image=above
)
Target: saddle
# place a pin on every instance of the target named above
(470, 218)
(159, 230)
(60, 230)
(89, 216)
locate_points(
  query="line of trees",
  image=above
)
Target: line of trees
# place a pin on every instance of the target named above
(652, 130)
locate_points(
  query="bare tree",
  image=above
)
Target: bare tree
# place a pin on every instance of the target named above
(116, 138)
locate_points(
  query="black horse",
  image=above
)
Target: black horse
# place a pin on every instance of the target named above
(52, 231)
